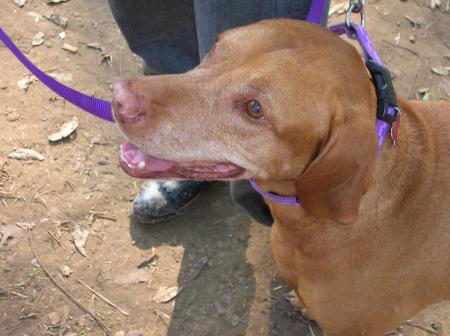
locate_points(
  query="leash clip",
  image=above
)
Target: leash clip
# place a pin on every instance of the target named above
(355, 7)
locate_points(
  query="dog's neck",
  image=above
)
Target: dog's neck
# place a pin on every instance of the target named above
(393, 173)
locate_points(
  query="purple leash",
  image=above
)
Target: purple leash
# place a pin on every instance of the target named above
(102, 108)
(98, 107)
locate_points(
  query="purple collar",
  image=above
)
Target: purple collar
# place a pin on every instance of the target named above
(387, 113)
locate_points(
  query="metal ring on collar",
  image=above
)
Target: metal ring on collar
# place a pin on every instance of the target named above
(355, 7)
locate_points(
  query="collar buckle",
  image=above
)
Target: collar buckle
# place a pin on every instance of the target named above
(387, 109)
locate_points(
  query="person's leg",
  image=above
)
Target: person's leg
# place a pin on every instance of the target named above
(163, 34)
(215, 16)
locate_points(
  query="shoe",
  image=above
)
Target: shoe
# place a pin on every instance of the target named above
(159, 201)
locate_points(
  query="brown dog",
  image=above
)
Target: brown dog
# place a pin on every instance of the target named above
(293, 106)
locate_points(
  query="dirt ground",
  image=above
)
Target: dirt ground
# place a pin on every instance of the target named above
(213, 253)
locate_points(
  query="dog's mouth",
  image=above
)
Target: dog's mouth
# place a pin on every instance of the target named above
(138, 164)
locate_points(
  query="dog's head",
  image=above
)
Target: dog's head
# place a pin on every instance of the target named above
(277, 100)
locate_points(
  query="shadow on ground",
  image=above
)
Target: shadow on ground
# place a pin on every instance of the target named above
(219, 301)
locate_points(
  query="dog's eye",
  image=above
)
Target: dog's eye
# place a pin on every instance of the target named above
(254, 109)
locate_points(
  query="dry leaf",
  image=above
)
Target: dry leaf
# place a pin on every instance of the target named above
(424, 94)
(38, 39)
(58, 20)
(79, 237)
(20, 3)
(416, 22)
(166, 294)
(25, 82)
(62, 77)
(337, 9)
(25, 154)
(64, 131)
(132, 277)
(441, 70)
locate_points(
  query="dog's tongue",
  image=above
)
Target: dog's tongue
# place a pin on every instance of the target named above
(136, 159)
(141, 165)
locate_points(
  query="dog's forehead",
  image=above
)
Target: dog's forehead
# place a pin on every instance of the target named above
(259, 37)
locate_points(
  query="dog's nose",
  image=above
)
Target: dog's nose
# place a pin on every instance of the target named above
(127, 105)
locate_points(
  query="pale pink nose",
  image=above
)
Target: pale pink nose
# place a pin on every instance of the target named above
(127, 105)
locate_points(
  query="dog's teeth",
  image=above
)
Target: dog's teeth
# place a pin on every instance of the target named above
(130, 166)
(141, 165)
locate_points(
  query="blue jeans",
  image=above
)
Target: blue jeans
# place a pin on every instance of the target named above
(172, 36)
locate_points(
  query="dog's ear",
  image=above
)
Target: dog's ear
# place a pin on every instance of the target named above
(335, 181)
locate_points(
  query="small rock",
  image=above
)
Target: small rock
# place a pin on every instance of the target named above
(3, 86)
(53, 318)
(26, 154)
(55, 1)
(235, 320)
(38, 39)
(66, 271)
(48, 44)
(135, 333)
(62, 35)
(70, 48)
(412, 39)
(120, 333)
(13, 116)
(435, 4)
(20, 3)
(35, 263)
(103, 161)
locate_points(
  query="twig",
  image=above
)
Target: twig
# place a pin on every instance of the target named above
(418, 326)
(31, 315)
(311, 329)
(413, 83)
(4, 194)
(32, 197)
(56, 239)
(403, 48)
(17, 294)
(103, 298)
(201, 264)
(66, 293)
(159, 313)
